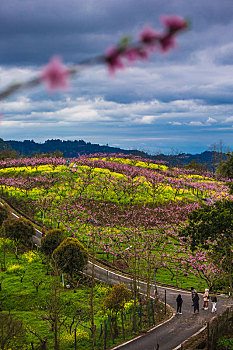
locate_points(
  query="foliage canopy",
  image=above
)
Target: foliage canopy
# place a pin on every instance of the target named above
(117, 298)
(210, 223)
(18, 229)
(71, 256)
(212, 227)
(51, 241)
(226, 168)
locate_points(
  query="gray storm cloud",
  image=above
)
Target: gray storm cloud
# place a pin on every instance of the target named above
(183, 96)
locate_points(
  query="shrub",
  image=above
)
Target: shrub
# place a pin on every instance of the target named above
(67, 339)
(51, 241)
(115, 302)
(15, 268)
(117, 298)
(225, 343)
(30, 257)
(18, 229)
(71, 256)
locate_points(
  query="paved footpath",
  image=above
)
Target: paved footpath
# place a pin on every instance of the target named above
(169, 334)
(172, 333)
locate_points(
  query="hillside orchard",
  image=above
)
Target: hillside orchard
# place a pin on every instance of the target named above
(126, 211)
(130, 213)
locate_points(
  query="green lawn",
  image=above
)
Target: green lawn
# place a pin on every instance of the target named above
(30, 306)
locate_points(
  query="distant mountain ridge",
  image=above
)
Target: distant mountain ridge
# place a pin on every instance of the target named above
(67, 148)
(205, 158)
(79, 147)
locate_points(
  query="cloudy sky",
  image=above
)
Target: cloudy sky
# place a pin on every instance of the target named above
(182, 101)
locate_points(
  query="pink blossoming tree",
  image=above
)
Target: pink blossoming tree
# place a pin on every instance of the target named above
(55, 75)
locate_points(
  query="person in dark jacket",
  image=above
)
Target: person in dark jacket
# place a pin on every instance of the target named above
(196, 303)
(193, 292)
(179, 302)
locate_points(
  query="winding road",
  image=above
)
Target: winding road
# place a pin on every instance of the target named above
(170, 334)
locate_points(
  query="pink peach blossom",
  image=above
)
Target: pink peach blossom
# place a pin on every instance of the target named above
(174, 23)
(131, 54)
(55, 75)
(149, 36)
(167, 42)
(113, 59)
(134, 53)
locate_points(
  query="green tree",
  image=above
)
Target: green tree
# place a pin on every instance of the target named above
(6, 151)
(226, 168)
(218, 154)
(194, 165)
(71, 257)
(51, 241)
(2, 144)
(115, 302)
(18, 229)
(211, 227)
(118, 296)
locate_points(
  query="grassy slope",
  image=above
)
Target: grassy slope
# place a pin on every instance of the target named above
(23, 302)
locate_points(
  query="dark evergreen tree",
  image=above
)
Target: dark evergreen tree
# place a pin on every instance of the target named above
(51, 241)
(226, 168)
(71, 257)
(18, 229)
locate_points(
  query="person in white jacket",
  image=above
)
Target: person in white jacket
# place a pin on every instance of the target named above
(206, 298)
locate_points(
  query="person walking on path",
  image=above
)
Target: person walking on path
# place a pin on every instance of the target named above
(196, 303)
(179, 302)
(206, 298)
(193, 292)
(43, 231)
(214, 302)
(74, 167)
